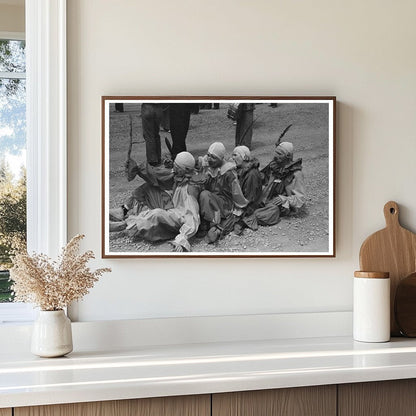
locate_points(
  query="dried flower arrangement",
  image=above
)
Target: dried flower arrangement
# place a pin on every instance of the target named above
(53, 285)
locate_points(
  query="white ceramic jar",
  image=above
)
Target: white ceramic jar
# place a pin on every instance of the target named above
(371, 310)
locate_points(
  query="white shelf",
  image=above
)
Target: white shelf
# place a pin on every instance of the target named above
(151, 371)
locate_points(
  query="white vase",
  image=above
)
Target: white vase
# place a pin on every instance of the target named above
(52, 334)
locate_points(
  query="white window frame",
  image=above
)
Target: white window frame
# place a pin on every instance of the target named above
(15, 312)
(46, 133)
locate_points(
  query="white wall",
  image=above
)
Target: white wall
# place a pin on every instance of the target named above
(363, 52)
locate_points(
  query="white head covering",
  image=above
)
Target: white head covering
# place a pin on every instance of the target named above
(243, 152)
(217, 149)
(185, 160)
(287, 147)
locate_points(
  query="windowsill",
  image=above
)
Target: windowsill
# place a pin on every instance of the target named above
(16, 313)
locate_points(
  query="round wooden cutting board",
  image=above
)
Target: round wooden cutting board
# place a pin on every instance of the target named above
(392, 250)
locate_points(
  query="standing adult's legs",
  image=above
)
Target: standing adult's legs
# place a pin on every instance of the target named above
(151, 119)
(180, 115)
(244, 130)
(165, 123)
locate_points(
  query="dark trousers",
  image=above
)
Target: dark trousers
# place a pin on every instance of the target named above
(151, 119)
(165, 119)
(244, 130)
(179, 115)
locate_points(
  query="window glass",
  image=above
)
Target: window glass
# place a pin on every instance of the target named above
(12, 56)
(12, 156)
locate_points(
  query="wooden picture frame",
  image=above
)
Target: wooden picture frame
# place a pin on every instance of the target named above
(137, 151)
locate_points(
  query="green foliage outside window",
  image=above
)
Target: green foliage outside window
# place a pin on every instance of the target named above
(12, 224)
(6, 294)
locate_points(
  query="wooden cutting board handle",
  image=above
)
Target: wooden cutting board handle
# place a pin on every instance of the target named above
(391, 214)
(393, 250)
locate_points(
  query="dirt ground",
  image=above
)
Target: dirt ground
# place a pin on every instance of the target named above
(307, 231)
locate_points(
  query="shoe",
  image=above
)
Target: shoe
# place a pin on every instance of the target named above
(213, 235)
(117, 214)
(117, 226)
(238, 229)
(203, 229)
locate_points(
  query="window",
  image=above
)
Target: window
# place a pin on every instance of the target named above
(46, 135)
(12, 165)
(12, 155)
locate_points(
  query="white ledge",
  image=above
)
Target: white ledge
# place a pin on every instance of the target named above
(169, 370)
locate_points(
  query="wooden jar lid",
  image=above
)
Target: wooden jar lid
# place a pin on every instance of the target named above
(372, 275)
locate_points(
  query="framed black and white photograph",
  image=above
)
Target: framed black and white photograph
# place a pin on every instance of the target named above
(218, 176)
